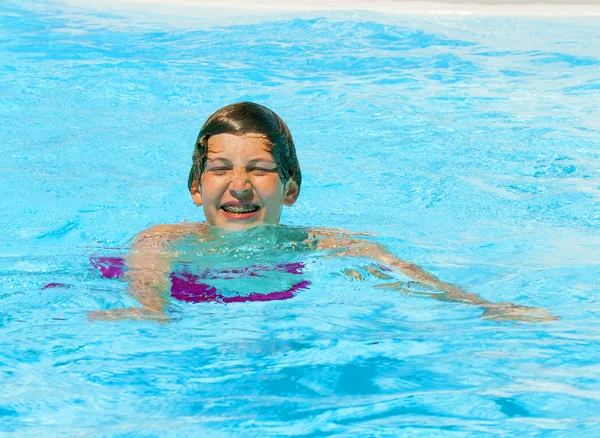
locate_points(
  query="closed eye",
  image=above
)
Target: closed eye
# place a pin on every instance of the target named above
(218, 170)
(261, 171)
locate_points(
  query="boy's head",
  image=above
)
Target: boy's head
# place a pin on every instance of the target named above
(249, 118)
(244, 167)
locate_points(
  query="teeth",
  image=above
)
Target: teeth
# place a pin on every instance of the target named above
(240, 208)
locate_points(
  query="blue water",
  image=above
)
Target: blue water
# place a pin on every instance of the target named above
(468, 145)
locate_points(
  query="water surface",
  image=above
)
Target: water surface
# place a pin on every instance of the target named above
(467, 145)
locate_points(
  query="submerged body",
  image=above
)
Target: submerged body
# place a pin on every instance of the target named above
(194, 262)
(244, 171)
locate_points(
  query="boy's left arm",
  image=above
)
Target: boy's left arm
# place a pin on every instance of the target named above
(431, 286)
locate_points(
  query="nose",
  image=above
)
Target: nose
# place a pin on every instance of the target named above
(240, 186)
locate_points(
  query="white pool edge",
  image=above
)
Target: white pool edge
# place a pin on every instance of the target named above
(548, 8)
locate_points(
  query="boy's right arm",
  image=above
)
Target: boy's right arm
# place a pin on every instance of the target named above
(149, 263)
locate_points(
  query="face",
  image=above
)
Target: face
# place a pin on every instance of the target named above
(240, 187)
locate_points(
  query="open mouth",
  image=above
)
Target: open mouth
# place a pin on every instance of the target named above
(240, 211)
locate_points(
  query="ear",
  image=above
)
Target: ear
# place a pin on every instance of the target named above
(195, 192)
(290, 192)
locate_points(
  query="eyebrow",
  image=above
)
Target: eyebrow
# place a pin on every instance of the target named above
(250, 163)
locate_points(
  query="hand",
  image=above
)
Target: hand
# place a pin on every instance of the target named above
(131, 313)
(364, 271)
(501, 312)
(412, 288)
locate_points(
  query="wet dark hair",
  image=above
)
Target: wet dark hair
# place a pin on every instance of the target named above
(248, 117)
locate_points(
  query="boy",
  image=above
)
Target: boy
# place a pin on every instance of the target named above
(244, 170)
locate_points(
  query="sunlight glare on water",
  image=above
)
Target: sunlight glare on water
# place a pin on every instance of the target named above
(467, 145)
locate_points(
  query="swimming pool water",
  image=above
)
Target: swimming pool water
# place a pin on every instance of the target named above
(468, 145)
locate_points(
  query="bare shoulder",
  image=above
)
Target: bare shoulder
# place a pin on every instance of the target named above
(337, 238)
(348, 244)
(169, 232)
(316, 232)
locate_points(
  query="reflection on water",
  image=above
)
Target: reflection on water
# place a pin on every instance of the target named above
(467, 145)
